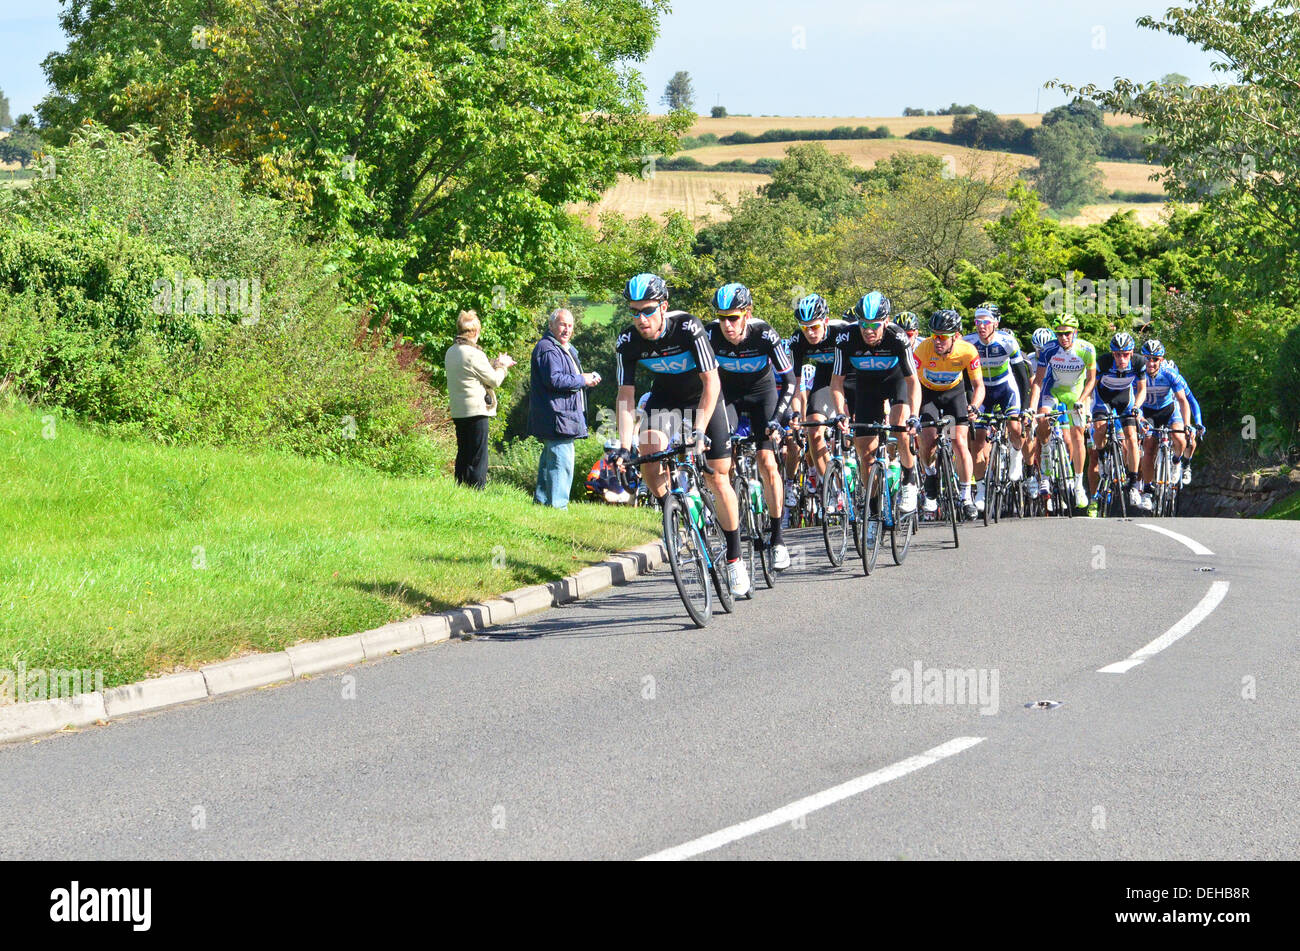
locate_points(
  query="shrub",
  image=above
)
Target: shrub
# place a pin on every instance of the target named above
(718, 112)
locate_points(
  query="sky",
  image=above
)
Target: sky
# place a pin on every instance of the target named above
(824, 57)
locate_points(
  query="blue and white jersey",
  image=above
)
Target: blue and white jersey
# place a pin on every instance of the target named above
(998, 355)
(1161, 387)
(1112, 379)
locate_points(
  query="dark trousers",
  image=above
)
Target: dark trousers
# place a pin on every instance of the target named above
(472, 451)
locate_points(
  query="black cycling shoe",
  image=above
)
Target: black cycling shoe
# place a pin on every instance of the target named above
(970, 511)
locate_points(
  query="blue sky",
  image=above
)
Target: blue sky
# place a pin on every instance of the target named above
(824, 57)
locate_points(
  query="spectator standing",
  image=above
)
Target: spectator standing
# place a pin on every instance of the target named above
(472, 381)
(557, 408)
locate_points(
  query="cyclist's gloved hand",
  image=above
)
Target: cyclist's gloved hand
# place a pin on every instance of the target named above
(914, 422)
(773, 425)
(1200, 431)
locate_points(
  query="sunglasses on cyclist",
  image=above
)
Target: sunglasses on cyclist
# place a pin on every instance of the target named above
(732, 317)
(945, 337)
(984, 321)
(871, 324)
(1065, 333)
(645, 311)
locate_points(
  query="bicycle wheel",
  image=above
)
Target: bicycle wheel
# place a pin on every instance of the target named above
(717, 543)
(991, 485)
(686, 559)
(1064, 489)
(873, 515)
(900, 538)
(836, 520)
(949, 494)
(762, 545)
(748, 544)
(1161, 482)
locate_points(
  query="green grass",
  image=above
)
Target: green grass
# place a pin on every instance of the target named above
(598, 314)
(140, 559)
(1288, 507)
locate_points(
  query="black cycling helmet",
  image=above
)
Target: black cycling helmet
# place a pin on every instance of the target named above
(645, 287)
(908, 321)
(732, 297)
(1122, 341)
(945, 322)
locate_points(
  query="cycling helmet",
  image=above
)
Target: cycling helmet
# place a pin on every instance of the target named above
(732, 297)
(1122, 341)
(1153, 348)
(645, 287)
(908, 321)
(994, 311)
(811, 309)
(1068, 321)
(873, 306)
(1042, 337)
(945, 322)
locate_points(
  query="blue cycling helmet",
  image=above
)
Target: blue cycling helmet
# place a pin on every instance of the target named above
(1122, 341)
(645, 287)
(1042, 337)
(811, 309)
(732, 297)
(1153, 348)
(872, 307)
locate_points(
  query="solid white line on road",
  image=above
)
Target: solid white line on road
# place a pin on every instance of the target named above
(814, 802)
(1193, 618)
(1191, 543)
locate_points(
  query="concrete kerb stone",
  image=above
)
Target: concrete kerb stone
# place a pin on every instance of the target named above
(331, 653)
(563, 590)
(41, 717)
(247, 673)
(538, 597)
(155, 694)
(436, 628)
(401, 636)
(591, 580)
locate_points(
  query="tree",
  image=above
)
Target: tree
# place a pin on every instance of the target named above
(1174, 79)
(819, 179)
(1067, 175)
(1082, 111)
(678, 94)
(6, 120)
(441, 149)
(1231, 145)
(718, 112)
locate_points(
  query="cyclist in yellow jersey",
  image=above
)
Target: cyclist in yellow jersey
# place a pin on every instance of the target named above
(941, 360)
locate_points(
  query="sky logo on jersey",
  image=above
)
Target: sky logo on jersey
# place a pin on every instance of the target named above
(742, 364)
(873, 363)
(678, 364)
(827, 356)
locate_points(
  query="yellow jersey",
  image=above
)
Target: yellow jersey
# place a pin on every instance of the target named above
(944, 372)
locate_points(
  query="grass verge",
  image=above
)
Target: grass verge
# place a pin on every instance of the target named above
(1288, 507)
(138, 559)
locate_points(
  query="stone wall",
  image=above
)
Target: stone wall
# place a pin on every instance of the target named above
(1217, 491)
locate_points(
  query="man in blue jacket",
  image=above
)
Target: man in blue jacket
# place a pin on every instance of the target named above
(557, 408)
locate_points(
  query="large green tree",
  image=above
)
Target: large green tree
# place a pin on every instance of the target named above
(1232, 145)
(440, 140)
(679, 93)
(1067, 175)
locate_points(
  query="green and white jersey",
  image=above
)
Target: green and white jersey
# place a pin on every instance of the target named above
(1067, 370)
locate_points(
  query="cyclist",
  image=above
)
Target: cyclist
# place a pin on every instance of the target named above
(944, 361)
(685, 401)
(1030, 448)
(910, 324)
(813, 353)
(1121, 386)
(1195, 431)
(1067, 374)
(877, 353)
(751, 356)
(1165, 405)
(1006, 384)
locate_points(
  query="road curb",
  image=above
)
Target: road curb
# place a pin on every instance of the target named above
(21, 721)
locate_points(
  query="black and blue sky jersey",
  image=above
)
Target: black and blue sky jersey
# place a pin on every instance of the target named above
(676, 359)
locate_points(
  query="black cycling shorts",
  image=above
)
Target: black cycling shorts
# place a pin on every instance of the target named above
(1169, 416)
(760, 406)
(869, 405)
(666, 414)
(820, 401)
(1121, 401)
(935, 404)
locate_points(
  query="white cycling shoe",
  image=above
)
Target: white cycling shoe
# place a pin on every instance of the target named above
(791, 496)
(738, 577)
(907, 499)
(1147, 502)
(1031, 488)
(1080, 497)
(1135, 497)
(930, 506)
(1045, 487)
(780, 557)
(1187, 475)
(1017, 470)
(979, 496)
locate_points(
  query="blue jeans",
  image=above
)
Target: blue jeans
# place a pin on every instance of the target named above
(555, 473)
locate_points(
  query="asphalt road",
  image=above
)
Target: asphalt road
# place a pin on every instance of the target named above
(611, 728)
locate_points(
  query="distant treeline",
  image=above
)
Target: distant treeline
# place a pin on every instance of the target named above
(787, 135)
